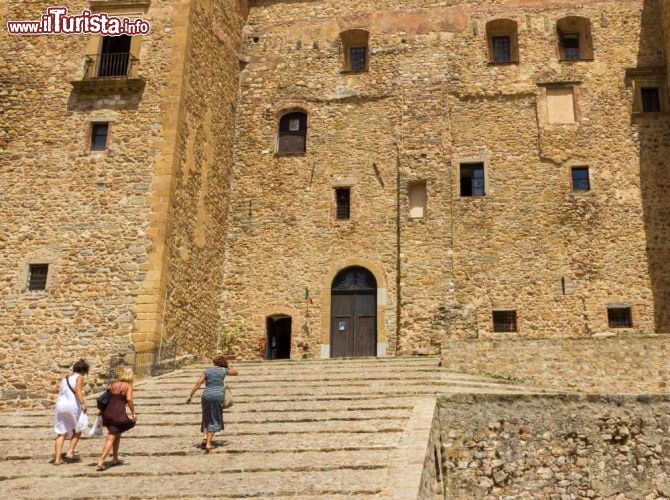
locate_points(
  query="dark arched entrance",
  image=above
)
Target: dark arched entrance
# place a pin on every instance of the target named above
(278, 344)
(353, 313)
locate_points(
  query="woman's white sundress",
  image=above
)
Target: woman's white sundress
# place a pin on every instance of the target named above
(68, 408)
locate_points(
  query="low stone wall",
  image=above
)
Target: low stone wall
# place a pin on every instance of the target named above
(608, 364)
(416, 467)
(556, 446)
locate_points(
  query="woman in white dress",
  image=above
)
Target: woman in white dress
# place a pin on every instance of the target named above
(69, 406)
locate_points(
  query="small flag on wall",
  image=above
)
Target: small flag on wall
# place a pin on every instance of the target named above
(308, 296)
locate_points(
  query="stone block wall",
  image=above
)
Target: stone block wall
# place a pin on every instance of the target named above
(430, 101)
(555, 446)
(89, 215)
(203, 161)
(609, 365)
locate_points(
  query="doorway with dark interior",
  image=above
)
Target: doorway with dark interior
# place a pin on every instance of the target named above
(278, 340)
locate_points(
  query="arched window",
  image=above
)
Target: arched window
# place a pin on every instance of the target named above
(356, 50)
(292, 136)
(503, 41)
(574, 39)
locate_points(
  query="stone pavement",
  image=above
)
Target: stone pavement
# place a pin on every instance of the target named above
(299, 429)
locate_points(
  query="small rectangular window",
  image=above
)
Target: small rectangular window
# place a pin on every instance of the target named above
(99, 132)
(580, 179)
(357, 58)
(619, 317)
(502, 51)
(561, 105)
(504, 321)
(417, 200)
(651, 100)
(571, 47)
(472, 180)
(343, 201)
(37, 276)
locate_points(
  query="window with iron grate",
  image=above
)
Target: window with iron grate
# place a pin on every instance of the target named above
(501, 49)
(343, 202)
(37, 276)
(619, 317)
(504, 321)
(357, 57)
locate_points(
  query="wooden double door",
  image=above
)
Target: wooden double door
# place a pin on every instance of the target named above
(353, 325)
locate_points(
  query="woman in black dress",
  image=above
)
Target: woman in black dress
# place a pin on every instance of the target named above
(114, 415)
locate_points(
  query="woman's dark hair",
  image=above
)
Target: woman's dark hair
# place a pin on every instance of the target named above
(221, 362)
(80, 366)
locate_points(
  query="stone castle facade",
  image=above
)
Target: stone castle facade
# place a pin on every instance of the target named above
(328, 178)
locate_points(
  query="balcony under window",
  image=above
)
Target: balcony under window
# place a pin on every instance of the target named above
(112, 68)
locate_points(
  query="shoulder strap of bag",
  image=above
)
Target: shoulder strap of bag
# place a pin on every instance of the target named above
(67, 381)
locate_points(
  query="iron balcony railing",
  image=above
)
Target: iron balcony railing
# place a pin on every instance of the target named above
(119, 65)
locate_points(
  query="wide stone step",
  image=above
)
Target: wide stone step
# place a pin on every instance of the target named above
(418, 389)
(286, 387)
(207, 483)
(42, 449)
(196, 461)
(254, 428)
(239, 408)
(165, 419)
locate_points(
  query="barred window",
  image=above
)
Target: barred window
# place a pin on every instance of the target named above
(343, 202)
(504, 321)
(619, 317)
(501, 49)
(37, 276)
(570, 44)
(357, 56)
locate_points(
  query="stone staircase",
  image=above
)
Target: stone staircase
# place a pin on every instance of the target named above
(298, 429)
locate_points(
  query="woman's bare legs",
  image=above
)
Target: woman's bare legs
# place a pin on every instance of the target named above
(115, 450)
(58, 449)
(73, 445)
(208, 441)
(109, 443)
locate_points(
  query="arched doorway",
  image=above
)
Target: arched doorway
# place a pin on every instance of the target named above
(278, 344)
(353, 313)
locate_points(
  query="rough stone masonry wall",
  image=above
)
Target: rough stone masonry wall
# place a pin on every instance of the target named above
(429, 101)
(555, 446)
(88, 215)
(610, 365)
(204, 155)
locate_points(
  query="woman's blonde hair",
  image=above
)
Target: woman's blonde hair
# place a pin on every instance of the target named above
(125, 374)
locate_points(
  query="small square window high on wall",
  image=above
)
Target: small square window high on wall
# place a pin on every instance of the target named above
(37, 276)
(619, 317)
(99, 134)
(504, 321)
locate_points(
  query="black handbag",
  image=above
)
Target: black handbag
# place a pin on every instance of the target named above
(103, 400)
